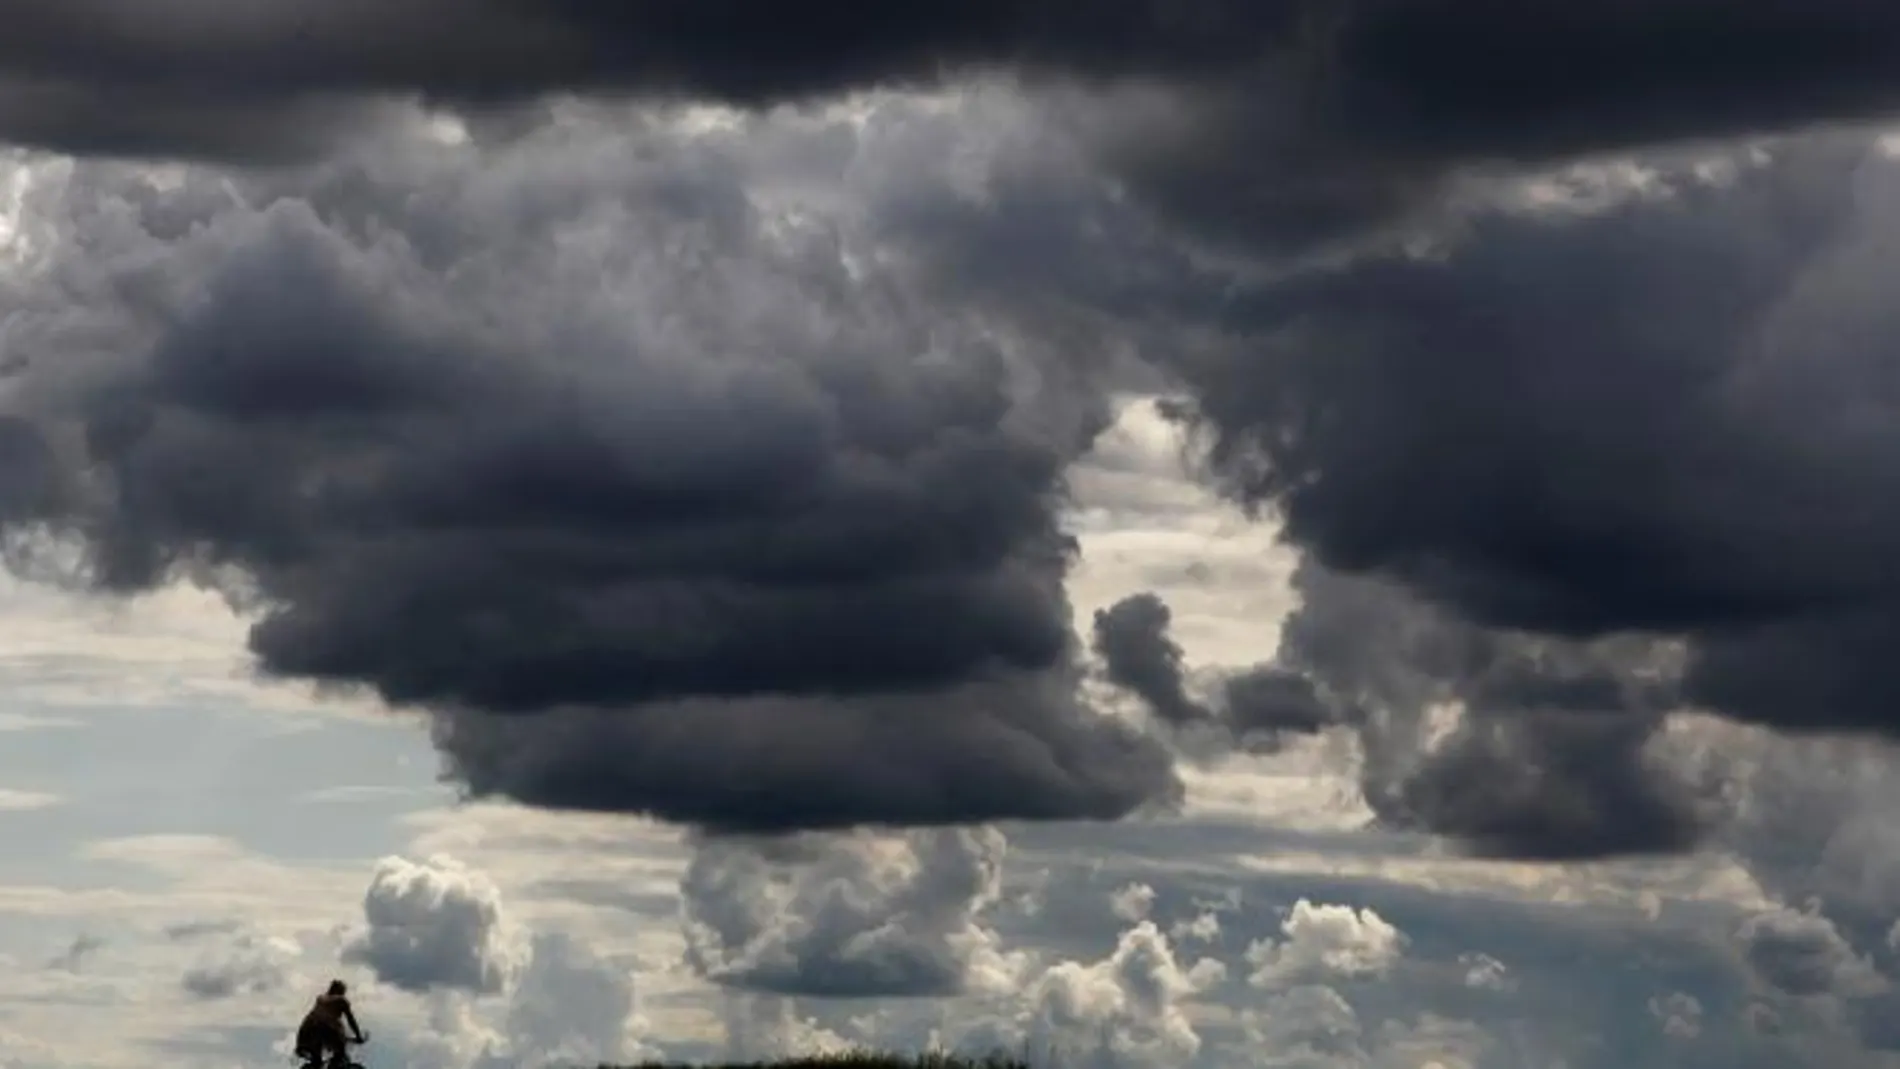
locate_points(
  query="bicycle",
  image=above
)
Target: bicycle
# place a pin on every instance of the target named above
(339, 1060)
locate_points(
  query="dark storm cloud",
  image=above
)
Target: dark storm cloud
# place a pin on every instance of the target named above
(1555, 753)
(1576, 424)
(1255, 707)
(1016, 748)
(1576, 467)
(1405, 73)
(1131, 638)
(588, 433)
(1268, 699)
(1276, 122)
(1673, 417)
(577, 432)
(1550, 788)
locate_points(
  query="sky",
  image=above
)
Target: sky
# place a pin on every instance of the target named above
(1326, 534)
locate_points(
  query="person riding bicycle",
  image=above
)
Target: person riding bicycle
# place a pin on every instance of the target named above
(320, 1038)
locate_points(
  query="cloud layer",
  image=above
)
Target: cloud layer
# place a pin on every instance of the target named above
(713, 467)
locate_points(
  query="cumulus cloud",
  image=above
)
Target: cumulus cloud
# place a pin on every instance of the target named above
(1203, 927)
(1131, 637)
(1804, 954)
(1545, 497)
(435, 924)
(1486, 972)
(849, 915)
(1127, 1009)
(1678, 1014)
(1325, 943)
(568, 1008)
(712, 468)
(643, 539)
(666, 556)
(1813, 823)
(1133, 902)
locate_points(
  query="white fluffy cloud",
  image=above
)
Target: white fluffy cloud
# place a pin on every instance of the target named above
(569, 1008)
(849, 915)
(1133, 902)
(435, 924)
(1127, 1009)
(1325, 943)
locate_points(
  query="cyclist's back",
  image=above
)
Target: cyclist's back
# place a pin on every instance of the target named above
(321, 1037)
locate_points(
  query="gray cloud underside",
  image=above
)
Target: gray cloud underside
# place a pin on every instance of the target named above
(1283, 123)
(1416, 77)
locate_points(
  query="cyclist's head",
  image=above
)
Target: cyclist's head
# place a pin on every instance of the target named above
(337, 987)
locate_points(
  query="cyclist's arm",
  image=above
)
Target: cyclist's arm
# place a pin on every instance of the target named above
(350, 1016)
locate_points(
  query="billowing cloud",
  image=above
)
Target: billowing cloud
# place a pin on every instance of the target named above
(1558, 519)
(1131, 637)
(849, 916)
(716, 474)
(566, 1006)
(644, 539)
(1803, 954)
(569, 1007)
(1127, 1009)
(1323, 944)
(1258, 707)
(435, 925)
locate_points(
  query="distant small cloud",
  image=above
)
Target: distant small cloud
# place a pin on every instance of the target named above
(250, 964)
(12, 722)
(20, 801)
(1133, 902)
(83, 946)
(1485, 972)
(199, 929)
(1678, 1014)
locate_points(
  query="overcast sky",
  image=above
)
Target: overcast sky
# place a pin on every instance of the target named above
(1221, 534)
